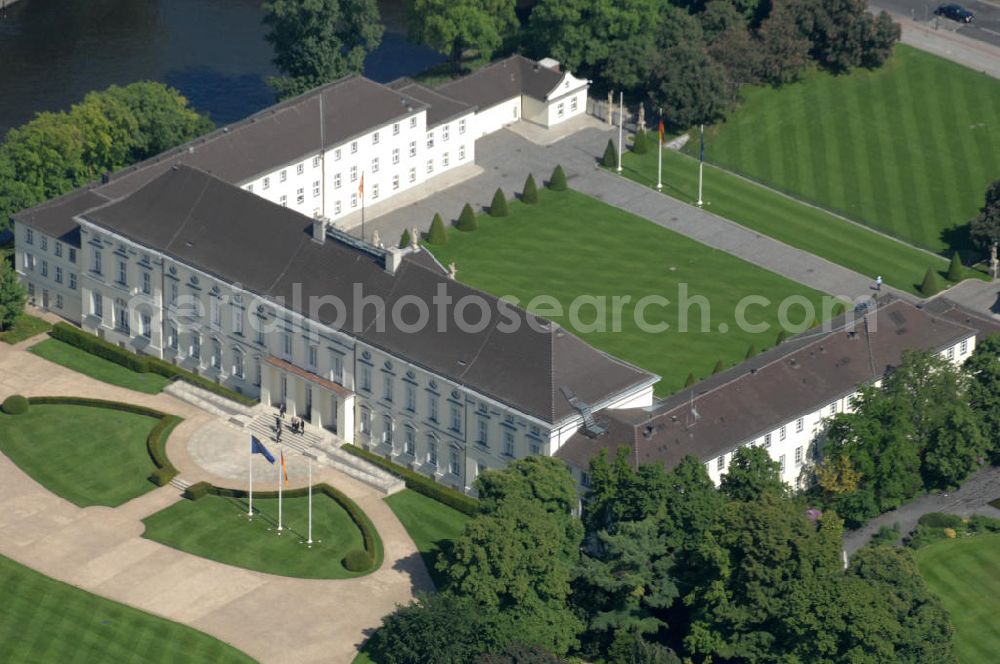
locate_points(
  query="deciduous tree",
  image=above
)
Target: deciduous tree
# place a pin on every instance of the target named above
(12, 296)
(452, 26)
(750, 474)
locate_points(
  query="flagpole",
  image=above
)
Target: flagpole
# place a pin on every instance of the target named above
(659, 164)
(701, 166)
(310, 540)
(621, 124)
(250, 508)
(280, 528)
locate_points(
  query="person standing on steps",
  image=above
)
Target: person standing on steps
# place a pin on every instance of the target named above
(878, 283)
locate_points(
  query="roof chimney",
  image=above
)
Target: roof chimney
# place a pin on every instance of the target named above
(319, 229)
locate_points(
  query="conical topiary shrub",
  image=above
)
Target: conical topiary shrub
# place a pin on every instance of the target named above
(498, 208)
(610, 158)
(719, 367)
(640, 144)
(781, 337)
(404, 239)
(558, 180)
(931, 284)
(438, 233)
(751, 351)
(530, 193)
(467, 220)
(955, 269)
(690, 380)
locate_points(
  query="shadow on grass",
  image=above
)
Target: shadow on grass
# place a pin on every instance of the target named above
(243, 507)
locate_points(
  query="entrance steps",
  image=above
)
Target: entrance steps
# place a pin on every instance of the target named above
(324, 447)
(211, 402)
(178, 483)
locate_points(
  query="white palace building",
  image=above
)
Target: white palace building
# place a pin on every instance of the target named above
(225, 256)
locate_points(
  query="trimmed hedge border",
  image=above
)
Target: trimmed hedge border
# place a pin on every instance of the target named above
(419, 483)
(370, 536)
(140, 364)
(156, 441)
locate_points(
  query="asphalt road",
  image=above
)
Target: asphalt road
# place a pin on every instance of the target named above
(986, 26)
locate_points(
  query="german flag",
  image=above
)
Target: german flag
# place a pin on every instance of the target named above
(284, 470)
(662, 131)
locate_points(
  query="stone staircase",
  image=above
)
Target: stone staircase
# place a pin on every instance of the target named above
(212, 402)
(178, 483)
(324, 448)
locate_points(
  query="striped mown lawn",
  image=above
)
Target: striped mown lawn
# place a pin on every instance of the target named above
(429, 523)
(908, 148)
(98, 368)
(965, 574)
(44, 620)
(571, 245)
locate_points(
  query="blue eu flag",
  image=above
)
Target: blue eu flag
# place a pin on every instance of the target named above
(257, 447)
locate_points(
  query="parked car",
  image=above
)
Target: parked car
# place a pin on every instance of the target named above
(955, 13)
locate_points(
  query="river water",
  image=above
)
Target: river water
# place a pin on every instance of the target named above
(52, 52)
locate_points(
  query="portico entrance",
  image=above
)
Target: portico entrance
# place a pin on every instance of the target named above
(321, 402)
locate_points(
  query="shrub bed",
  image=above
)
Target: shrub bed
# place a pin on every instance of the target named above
(940, 520)
(87, 342)
(373, 543)
(15, 404)
(935, 526)
(420, 483)
(156, 441)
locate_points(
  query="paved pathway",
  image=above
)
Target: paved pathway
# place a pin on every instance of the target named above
(100, 549)
(506, 158)
(972, 498)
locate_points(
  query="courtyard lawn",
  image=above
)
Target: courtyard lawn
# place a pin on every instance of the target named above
(570, 245)
(431, 525)
(98, 368)
(87, 455)
(217, 528)
(964, 574)
(908, 148)
(44, 620)
(25, 327)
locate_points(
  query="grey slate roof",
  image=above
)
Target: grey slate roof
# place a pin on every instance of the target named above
(440, 108)
(786, 382)
(241, 238)
(55, 217)
(503, 80)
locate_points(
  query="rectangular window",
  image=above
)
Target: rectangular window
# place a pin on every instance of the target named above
(337, 368)
(781, 462)
(366, 378)
(573, 104)
(395, 182)
(833, 408)
(411, 397)
(267, 183)
(316, 189)
(97, 304)
(238, 364)
(336, 154)
(387, 430)
(720, 463)
(461, 126)
(799, 425)
(445, 133)
(782, 433)
(59, 275)
(456, 419)
(173, 292)
(45, 243)
(315, 162)
(29, 261)
(430, 165)
(216, 311)
(250, 188)
(287, 344)
(951, 353)
(122, 272)
(29, 236)
(461, 153)
(453, 464)
(395, 155)
(72, 281)
(216, 355)
(312, 355)
(59, 301)
(375, 192)
(508, 443)
(375, 165)
(121, 318)
(584, 479)
(432, 452)
(147, 283)
(375, 138)
(395, 129)
(260, 332)
(444, 160)
(535, 449)
(354, 200)
(408, 441)
(283, 200)
(172, 336)
(300, 196)
(413, 122)
(767, 441)
(72, 255)
(196, 346)
(413, 175)
(147, 326)
(283, 175)
(560, 109)
(354, 147)
(413, 148)
(354, 173)
(97, 267)
(336, 181)
(430, 140)
(798, 456)
(366, 421)
(964, 348)
(58, 249)
(432, 407)
(484, 432)
(300, 169)
(387, 387)
(45, 268)
(337, 207)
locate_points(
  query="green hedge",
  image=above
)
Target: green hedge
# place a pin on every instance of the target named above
(15, 404)
(357, 560)
(419, 483)
(372, 541)
(85, 341)
(940, 520)
(156, 441)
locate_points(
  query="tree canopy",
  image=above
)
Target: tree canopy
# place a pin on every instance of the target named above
(453, 26)
(318, 41)
(12, 296)
(985, 228)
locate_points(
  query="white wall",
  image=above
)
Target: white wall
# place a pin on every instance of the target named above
(496, 117)
(44, 267)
